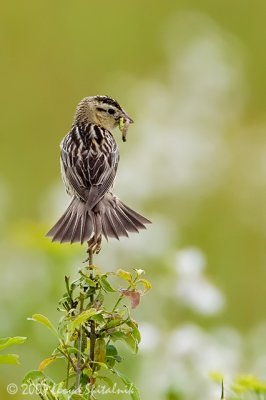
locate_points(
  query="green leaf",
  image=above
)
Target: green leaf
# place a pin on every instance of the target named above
(98, 318)
(124, 275)
(112, 355)
(113, 323)
(73, 350)
(83, 317)
(44, 321)
(9, 359)
(100, 350)
(74, 285)
(32, 376)
(99, 297)
(10, 341)
(128, 338)
(131, 342)
(110, 361)
(135, 330)
(101, 364)
(129, 384)
(106, 285)
(118, 335)
(111, 350)
(107, 380)
(90, 281)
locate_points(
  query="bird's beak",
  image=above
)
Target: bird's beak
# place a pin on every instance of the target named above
(124, 122)
(127, 117)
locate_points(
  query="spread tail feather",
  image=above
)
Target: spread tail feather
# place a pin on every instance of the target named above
(110, 218)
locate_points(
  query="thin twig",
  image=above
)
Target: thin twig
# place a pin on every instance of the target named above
(66, 354)
(92, 323)
(80, 339)
(118, 301)
(67, 377)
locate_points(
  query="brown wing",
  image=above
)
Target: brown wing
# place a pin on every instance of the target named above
(89, 167)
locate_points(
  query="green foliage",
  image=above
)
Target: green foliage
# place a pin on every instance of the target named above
(7, 342)
(88, 333)
(249, 384)
(44, 321)
(243, 387)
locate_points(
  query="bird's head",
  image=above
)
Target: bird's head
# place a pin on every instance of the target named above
(103, 111)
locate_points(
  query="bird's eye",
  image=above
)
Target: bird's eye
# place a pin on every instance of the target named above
(100, 109)
(111, 111)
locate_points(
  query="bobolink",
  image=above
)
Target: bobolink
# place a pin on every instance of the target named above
(89, 160)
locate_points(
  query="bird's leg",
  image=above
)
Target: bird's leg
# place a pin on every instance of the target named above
(90, 251)
(94, 246)
(98, 245)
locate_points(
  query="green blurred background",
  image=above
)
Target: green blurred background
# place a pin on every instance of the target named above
(192, 76)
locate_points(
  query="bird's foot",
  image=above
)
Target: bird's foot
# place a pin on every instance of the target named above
(94, 247)
(98, 245)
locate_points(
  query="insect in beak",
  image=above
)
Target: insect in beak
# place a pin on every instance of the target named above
(123, 124)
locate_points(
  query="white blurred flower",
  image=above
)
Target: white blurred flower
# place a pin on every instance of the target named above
(150, 337)
(200, 295)
(192, 353)
(192, 288)
(190, 261)
(185, 340)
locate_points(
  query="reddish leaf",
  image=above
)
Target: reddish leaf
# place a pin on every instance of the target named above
(134, 296)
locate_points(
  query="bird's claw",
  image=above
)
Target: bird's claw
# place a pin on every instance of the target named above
(94, 247)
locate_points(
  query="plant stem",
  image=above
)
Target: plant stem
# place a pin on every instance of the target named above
(92, 323)
(66, 354)
(80, 340)
(118, 301)
(67, 377)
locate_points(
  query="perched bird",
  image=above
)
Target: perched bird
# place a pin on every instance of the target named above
(89, 160)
